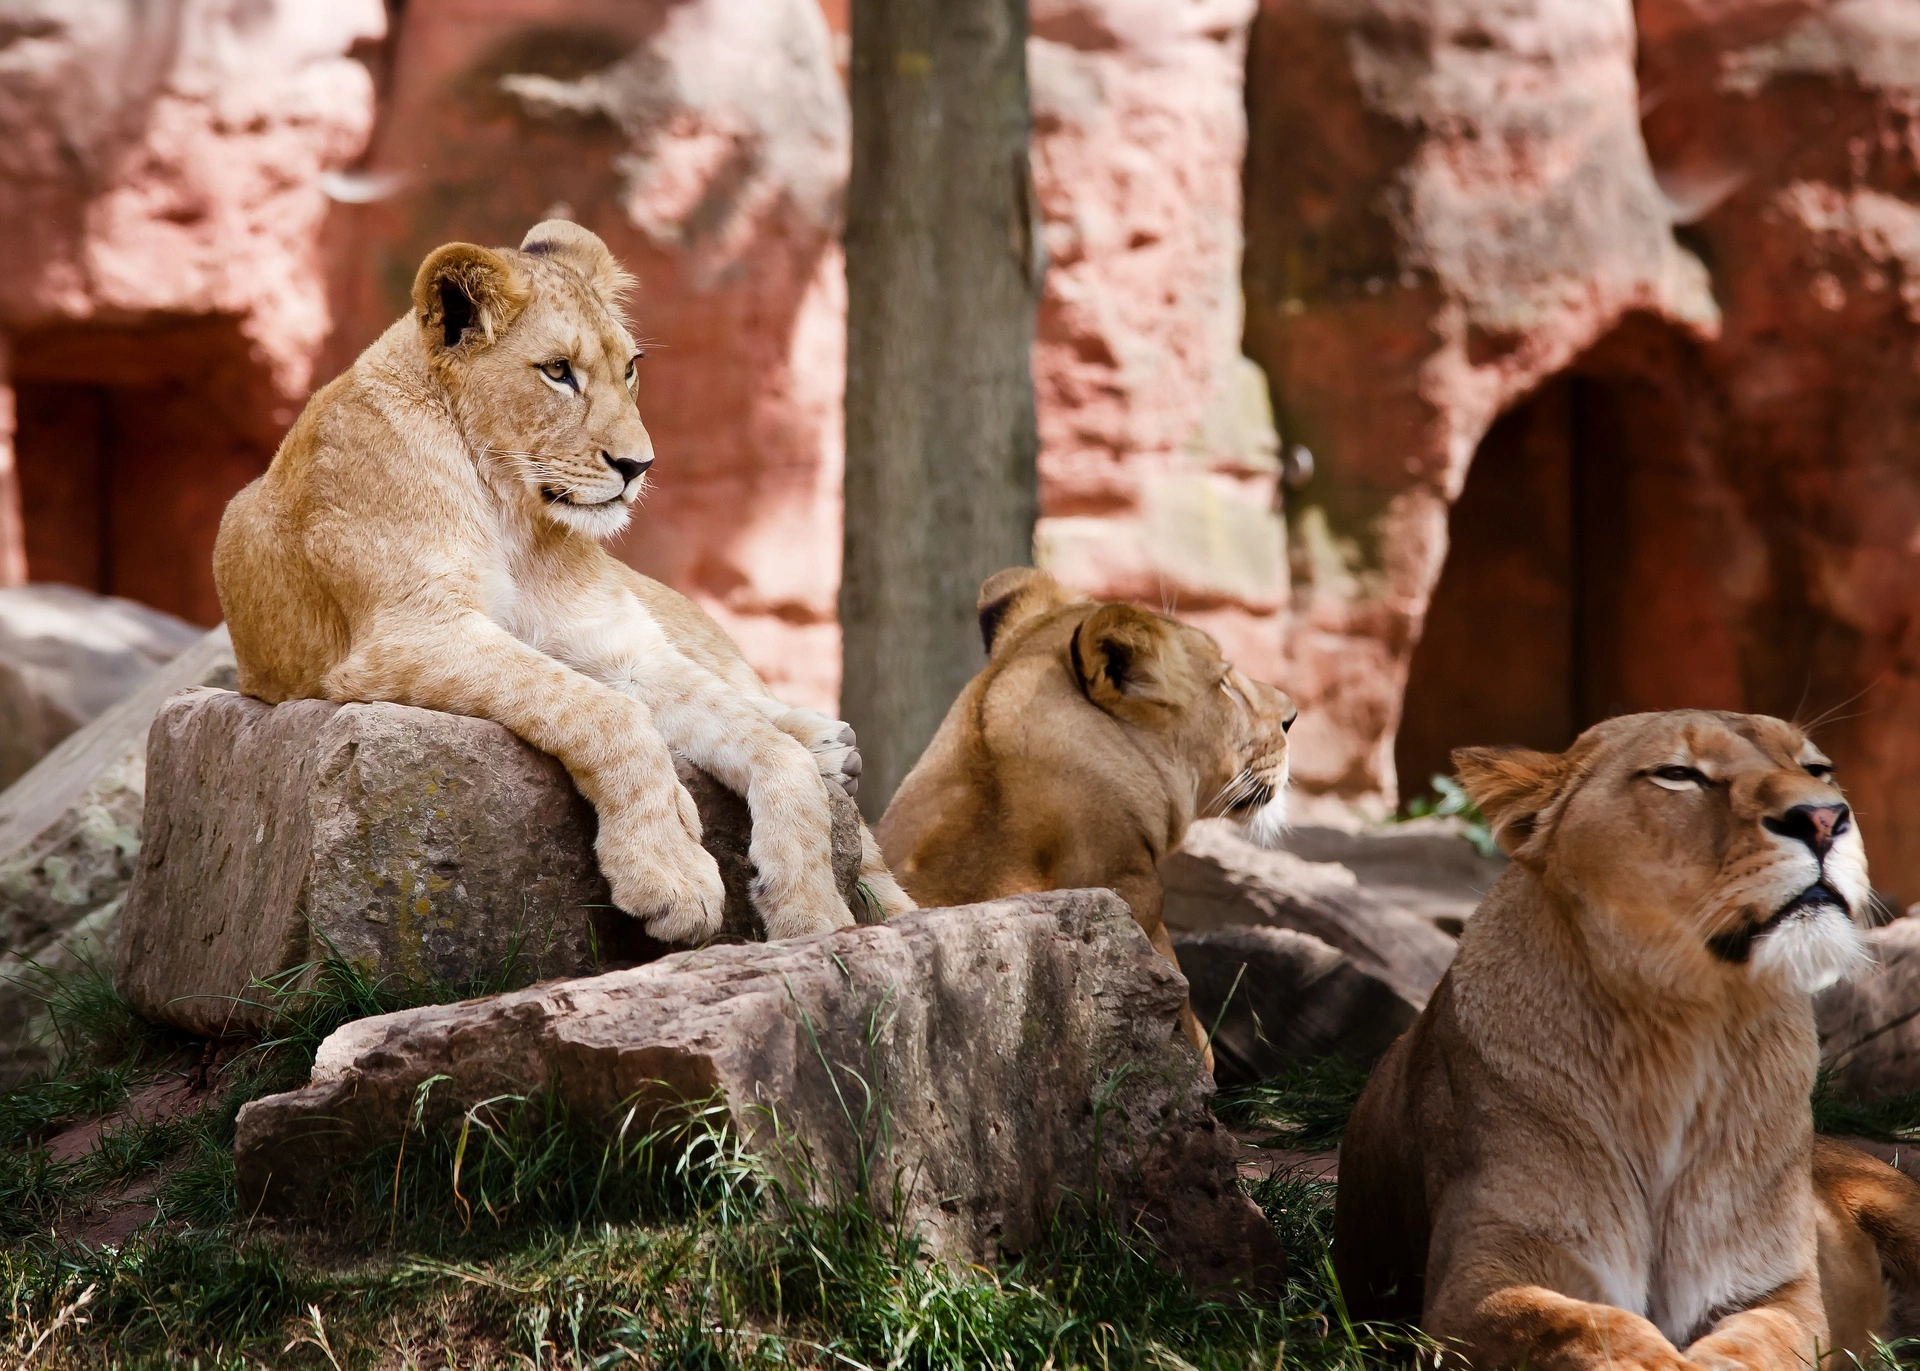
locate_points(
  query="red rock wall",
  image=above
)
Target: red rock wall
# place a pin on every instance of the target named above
(1157, 460)
(161, 300)
(1652, 316)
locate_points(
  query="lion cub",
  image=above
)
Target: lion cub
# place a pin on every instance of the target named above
(1095, 735)
(428, 534)
(1594, 1147)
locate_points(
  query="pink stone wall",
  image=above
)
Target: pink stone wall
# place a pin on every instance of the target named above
(162, 164)
(1604, 329)
(1158, 458)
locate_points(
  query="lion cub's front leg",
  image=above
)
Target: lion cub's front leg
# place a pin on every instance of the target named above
(836, 751)
(733, 737)
(649, 831)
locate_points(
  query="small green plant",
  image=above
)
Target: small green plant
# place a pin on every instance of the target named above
(1448, 800)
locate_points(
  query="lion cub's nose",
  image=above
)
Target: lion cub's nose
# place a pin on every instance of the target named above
(1815, 825)
(626, 466)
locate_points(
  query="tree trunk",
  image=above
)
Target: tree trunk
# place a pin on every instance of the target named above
(943, 274)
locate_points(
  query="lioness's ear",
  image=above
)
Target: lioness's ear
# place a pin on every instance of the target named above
(1011, 597)
(463, 293)
(1120, 656)
(580, 248)
(1512, 786)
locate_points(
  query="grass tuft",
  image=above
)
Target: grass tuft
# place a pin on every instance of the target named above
(1305, 1109)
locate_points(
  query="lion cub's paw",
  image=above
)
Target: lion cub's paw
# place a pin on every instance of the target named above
(803, 907)
(835, 749)
(664, 878)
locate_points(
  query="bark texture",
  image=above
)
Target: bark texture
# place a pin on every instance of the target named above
(943, 273)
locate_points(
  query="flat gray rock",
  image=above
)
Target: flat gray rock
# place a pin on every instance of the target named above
(1870, 1026)
(1218, 879)
(67, 654)
(69, 838)
(1276, 998)
(422, 847)
(1015, 1052)
(1427, 867)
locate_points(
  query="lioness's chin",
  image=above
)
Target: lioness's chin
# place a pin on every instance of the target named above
(601, 521)
(1267, 823)
(1812, 950)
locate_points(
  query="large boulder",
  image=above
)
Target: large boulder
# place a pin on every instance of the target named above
(1217, 879)
(425, 848)
(1870, 1025)
(69, 837)
(1275, 999)
(1012, 1052)
(65, 655)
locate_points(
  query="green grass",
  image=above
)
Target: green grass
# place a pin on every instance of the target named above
(1305, 1109)
(514, 1237)
(1894, 1120)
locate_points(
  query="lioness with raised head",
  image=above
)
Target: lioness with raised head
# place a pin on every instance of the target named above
(428, 534)
(1081, 753)
(1594, 1147)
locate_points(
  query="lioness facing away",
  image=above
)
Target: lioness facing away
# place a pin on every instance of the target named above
(1094, 736)
(1594, 1147)
(427, 534)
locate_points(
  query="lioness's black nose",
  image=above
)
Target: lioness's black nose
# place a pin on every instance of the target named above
(626, 466)
(1815, 825)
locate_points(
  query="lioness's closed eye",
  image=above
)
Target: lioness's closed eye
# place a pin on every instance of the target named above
(1080, 755)
(427, 534)
(1594, 1147)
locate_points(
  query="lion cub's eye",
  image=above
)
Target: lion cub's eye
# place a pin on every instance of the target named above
(1677, 778)
(561, 370)
(1820, 771)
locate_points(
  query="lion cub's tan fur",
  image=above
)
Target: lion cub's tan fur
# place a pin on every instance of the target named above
(1081, 753)
(1594, 1147)
(427, 535)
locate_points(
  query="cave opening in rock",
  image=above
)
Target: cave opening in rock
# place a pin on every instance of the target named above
(1598, 564)
(129, 442)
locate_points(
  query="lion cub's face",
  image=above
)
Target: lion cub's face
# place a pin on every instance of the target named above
(1721, 838)
(541, 371)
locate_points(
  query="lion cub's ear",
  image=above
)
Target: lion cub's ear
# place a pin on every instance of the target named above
(464, 293)
(1120, 655)
(1011, 597)
(580, 248)
(1513, 786)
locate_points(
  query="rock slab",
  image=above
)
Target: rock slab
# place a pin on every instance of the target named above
(69, 840)
(1870, 1026)
(1275, 999)
(1016, 1051)
(65, 656)
(430, 848)
(1218, 879)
